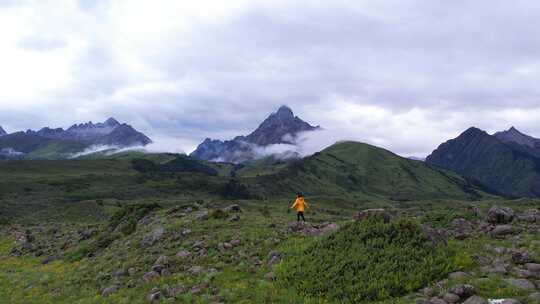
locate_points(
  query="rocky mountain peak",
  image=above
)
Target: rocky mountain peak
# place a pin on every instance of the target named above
(513, 135)
(2, 131)
(111, 122)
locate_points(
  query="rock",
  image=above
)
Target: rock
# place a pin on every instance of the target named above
(437, 301)
(522, 273)
(162, 260)
(521, 283)
(132, 271)
(533, 267)
(198, 245)
(462, 290)
(451, 298)
(108, 291)
(155, 295)
(501, 231)
(435, 236)
(198, 288)
(234, 218)
(422, 301)
(48, 259)
(462, 228)
(233, 208)
(185, 232)
(158, 268)
(458, 275)
(530, 216)
(195, 270)
(427, 291)
(273, 258)
(176, 290)
(372, 213)
(152, 237)
(521, 257)
(329, 227)
(475, 300)
(165, 272)
(235, 242)
(269, 276)
(145, 220)
(500, 215)
(151, 275)
(510, 301)
(183, 254)
(500, 250)
(202, 216)
(474, 210)
(534, 298)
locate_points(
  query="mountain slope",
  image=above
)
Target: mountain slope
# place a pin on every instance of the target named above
(506, 168)
(280, 127)
(2, 131)
(48, 143)
(364, 171)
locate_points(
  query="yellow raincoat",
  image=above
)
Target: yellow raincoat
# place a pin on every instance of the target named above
(299, 205)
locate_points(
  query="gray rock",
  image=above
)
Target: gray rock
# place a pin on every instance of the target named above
(151, 275)
(521, 257)
(269, 276)
(108, 291)
(511, 301)
(150, 238)
(132, 271)
(155, 295)
(202, 216)
(521, 283)
(533, 267)
(451, 298)
(195, 270)
(176, 290)
(233, 208)
(183, 254)
(475, 300)
(500, 215)
(427, 291)
(422, 301)
(165, 272)
(501, 231)
(462, 290)
(162, 260)
(437, 301)
(234, 218)
(534, 298)
(235, 242)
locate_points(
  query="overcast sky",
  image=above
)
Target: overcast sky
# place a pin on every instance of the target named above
(404, 75)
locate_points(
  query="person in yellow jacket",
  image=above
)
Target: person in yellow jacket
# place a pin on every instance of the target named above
(300, 205)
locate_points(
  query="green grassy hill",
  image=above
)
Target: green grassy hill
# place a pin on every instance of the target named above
(364, 171)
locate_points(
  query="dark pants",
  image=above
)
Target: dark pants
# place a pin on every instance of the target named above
(300, 214)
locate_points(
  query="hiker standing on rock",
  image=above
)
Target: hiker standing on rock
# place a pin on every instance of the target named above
(300, 205)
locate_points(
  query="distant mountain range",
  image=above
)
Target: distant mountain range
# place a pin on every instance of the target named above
(281, 127)
(507, 163)
(48, 143)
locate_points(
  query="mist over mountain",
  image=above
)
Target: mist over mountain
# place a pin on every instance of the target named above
(55, 143)
(507, 162)
(280, 128)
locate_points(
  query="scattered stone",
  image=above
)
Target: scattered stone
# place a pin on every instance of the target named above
(202, 216)
(500, 215)
(48, 259)
(158, 268)
(372, 213)
(198, 245)
(195, 270)
(235, 242)
(176, 290)
(521, 257)
(183, 254)
(533, 267)
(422, 301)
(273, 258)
(501, 231)
(435, 236)
(462, 290)
(462, 228)
(165, 272)
(132, 271)
(185, 232)
(151, 275)
(530, 216)
(510, 301)
(534, 297)
(451, 298)
(428, 292)
(155, 295)
(233, 208)
(199, 288)
(521, 283)
(152, 237)
(162, 260)
(476, 300)
(234, 218)
(108, 291)
(437, 301)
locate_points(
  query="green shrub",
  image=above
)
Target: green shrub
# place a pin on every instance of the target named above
(218, 214)
(367, 261)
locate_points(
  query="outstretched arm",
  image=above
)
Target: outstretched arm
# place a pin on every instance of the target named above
(294, 204)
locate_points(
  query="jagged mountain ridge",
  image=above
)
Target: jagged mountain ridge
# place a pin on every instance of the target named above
(280, 127)
(504, 162)
(2, 131)
(59, 143)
